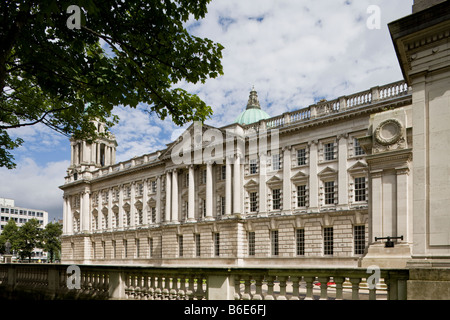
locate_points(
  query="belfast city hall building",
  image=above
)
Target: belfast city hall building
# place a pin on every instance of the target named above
(351, 182)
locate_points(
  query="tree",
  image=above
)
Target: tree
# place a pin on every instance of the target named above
(9, 233)
(51, 240)
(124, 53)
(29, 238)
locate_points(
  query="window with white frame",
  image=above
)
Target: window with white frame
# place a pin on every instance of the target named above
(359, 237)
(329, 192)
(153, 214)
(217, 244)
(360, 189)
(276, 161)
(357, 149)
(153, 186)
(251, 243)
(328, 151)
(223, 172)
(301, 195)
(276, 199)
(274, 242)
(253, 169)
(301, 157)
(203, 176)
(222, 205)
(197, 245)
(140, 189)
(328, 241)
(180, 245)
(300, 241)
(253, 201)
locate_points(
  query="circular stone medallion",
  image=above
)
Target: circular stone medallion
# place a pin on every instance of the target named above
(388, 132)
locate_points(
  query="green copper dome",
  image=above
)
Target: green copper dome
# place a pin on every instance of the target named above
(253, 112)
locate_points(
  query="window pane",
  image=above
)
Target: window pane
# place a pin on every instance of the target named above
(360, 189)
(329, 192)
(328, 241)
(359, 235)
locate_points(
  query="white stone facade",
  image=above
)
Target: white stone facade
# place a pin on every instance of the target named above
(357, 181)
(302, 198)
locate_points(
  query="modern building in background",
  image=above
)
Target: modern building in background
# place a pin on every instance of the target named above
(9, 211)
(356, 181)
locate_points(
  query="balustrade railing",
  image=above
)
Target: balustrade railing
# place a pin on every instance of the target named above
(148, 283)
(324, 108)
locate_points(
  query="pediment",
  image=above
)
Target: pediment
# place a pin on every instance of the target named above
(299, 176)
(251, 183)
(190, 133)
(328, 171)
(274, 180)
(358, 166)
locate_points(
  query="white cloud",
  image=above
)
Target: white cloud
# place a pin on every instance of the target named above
(294, 52)
(35, 187)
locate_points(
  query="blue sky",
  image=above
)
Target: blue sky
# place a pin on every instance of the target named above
(295, 52)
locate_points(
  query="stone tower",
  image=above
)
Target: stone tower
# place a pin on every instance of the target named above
(86, 157)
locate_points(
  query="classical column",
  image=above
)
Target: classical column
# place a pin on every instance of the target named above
(237, 186)
(158, 199)
(191, 208)
(85, 225)
(64, 215)
(168, 195)
(262, 194)
(120, 222)
(174, 196)
(313, 178)
(132, 207)
(228, 180)
(144, 202)
(209, 191)
(375, 207)
(69, 216)
(342, 171)
(287, 192)
(110, 212)
(404, 224)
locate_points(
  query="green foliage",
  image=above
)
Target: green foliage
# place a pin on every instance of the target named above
(64, 78)
(51, 242)
(10, 234)
(28, 238)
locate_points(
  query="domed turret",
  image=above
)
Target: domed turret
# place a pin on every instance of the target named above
(253, 112)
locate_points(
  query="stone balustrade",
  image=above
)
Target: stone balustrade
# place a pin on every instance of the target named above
(148, 283)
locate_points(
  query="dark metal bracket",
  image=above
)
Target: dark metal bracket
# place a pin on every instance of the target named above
(389, 243)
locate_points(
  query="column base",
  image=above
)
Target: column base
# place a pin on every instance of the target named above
(395, 257)
(7, 258)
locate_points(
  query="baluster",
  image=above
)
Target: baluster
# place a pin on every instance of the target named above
(174, 290)
(191, 289)
(282, 281)
(199, 293)
(323, 288)
(355, 288)
(151, 289)
(309, 288)
(158, 290)
(237, 287)
(339, 287)
(270, 284)
(247, 293)
(182, 290)
(258, 292)
(295, 288)
(165, 291)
